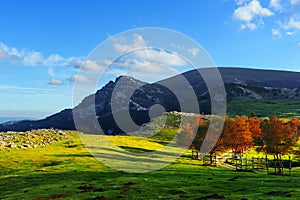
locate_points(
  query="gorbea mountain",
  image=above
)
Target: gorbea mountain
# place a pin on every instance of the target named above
(117, 96)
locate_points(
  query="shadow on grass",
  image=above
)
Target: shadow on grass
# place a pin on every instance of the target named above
(81, 155)
(49, 163)
(164, 143)
(135, 149)
(111, 151)
(125, 157)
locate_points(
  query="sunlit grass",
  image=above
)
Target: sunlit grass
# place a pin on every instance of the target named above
(67, 170)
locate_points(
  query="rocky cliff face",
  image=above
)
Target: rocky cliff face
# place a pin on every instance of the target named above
(127, 94)
(246, 90)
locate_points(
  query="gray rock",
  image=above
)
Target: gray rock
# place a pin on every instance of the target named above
(62, 133)
(12, 145)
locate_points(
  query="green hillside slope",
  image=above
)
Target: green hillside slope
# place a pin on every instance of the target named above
(264, 108)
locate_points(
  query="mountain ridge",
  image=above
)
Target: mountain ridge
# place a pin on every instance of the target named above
(138, 97)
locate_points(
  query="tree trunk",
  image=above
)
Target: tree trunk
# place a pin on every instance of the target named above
(192, 153)
(278, 166)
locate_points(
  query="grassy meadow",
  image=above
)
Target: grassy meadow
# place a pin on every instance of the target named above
(66, 170)
(262, 108)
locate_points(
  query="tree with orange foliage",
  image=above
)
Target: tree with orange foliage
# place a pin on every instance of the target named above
(255, 130)
(187, 135)
(201, 131)
(237, 135)
(279, 137)
(295, 124)
(208, 139)
(228, 129)
(215, 139)
(197, 132)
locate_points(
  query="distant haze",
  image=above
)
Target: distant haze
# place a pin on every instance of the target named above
(7, 119)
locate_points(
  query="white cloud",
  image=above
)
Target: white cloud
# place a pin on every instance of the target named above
(150, 72)
(3, 54)
(289, 28)
(290, 33)
(144, 56)
(251, 10)
(276, 5)
(250, 26)
(128, 63)
(33, 58)
(240, 2)
(9, 54)
(144, 62)
(298, 44)
(160, 56)
(193, 51)
(121, 44)
(141, 69)
(139, 49)
(54, 59)
(55, 82)
(8, 50)
(276, 32)
(251, 14)
(93, 66)
(292, 24)
(80, 79)
(295, 2)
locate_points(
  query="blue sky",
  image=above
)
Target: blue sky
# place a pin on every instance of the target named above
(42, 43)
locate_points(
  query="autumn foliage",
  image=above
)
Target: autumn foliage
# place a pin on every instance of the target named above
(278, 136)
(272, 135)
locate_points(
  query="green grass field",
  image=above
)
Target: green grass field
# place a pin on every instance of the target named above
(264, 108)
(66, 170)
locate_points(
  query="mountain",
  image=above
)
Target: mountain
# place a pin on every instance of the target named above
(7, 120)
(109, 105)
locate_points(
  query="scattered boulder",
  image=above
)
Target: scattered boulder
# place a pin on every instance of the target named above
(32, 139)
(12, 145)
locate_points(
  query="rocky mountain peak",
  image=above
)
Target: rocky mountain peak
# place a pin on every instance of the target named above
(128, 93)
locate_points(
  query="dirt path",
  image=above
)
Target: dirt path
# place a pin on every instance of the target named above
(221, 161)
